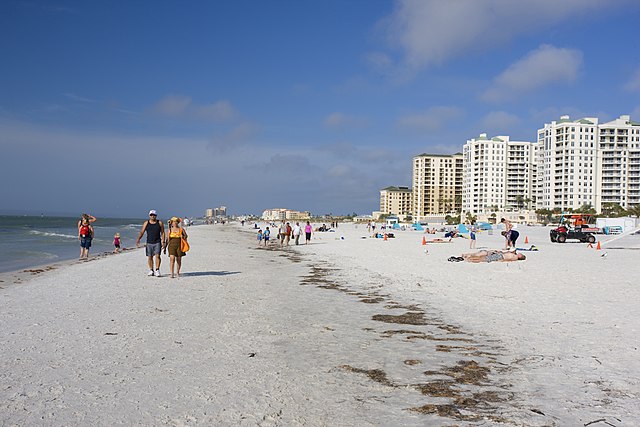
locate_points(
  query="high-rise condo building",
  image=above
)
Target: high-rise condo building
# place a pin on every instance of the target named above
(499, 174)
(568, 164)
(619, 165)
(583, 162)
(396, 201)
(437, 185)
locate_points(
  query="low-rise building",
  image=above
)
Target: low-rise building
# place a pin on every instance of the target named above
(282, 214)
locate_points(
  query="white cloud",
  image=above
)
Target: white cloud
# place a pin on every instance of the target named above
(499, 121)
(183, 106)
(432, 119)
(633, 84)
(339, 120)
(432, 32)
(172, 105)
(540, 67)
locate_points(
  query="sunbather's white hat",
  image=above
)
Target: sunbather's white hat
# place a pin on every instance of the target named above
(153, 212)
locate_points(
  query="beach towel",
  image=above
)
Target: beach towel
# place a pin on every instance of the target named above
(533, 248)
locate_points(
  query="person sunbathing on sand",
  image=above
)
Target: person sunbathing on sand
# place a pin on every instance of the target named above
(490, 256)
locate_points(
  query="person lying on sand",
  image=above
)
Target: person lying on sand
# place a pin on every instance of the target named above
(438, 240)
(489, 256)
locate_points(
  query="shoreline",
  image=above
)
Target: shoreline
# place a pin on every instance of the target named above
(19, 276)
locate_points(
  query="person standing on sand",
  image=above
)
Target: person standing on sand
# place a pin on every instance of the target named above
(155, 237)
(308, 229)
(288, 232)
(116, 243)
(472, 235)
(85, 235)
(266, 235)
(173, 242)
(259, 236)
(296, 233)
(91, 220)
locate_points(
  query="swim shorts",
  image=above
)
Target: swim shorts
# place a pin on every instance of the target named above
(495, 256)
(85, 242)
(153, 249)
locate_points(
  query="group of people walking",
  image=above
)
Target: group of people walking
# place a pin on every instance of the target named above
(285, 233)
(158, 241)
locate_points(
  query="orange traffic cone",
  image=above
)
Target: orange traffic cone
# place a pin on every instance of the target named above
(598, 247)
(424, 241)
(385, 237)
(526, 239)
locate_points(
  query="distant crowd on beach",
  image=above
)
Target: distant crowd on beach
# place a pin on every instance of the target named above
(286, 233)
(175, 240)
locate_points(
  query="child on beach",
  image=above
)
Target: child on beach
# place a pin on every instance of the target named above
(266, 235)
(116, 243)
(259, 237)
(472, 236)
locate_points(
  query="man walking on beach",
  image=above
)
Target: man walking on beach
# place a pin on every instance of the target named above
(155, 237)
(297, 230)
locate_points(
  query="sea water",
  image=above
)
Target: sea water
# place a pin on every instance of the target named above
(29, 241)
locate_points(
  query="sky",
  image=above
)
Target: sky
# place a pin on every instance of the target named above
(116, 108)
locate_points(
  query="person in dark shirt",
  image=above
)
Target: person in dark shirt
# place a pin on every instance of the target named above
(155, 236)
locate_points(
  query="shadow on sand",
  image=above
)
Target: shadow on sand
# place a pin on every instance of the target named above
(209, 273)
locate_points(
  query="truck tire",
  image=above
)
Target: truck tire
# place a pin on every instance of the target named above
(561, 238)
(591, 239)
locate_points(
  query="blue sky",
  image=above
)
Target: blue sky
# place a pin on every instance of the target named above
(120, 107)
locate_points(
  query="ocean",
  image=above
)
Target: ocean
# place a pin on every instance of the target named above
(30, 241)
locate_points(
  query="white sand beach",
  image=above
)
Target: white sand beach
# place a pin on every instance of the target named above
(350, 332)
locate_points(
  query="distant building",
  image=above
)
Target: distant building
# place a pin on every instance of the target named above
(437, 185)
(396, 201)
(221, 211)
(282, 214)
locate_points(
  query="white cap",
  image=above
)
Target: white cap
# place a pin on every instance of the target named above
(152, 212)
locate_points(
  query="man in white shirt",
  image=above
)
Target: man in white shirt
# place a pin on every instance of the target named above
(296, 232)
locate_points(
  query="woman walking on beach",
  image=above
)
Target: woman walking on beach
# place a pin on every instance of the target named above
(307, 233)
(85, 235)
(173, 243)
(90, 218)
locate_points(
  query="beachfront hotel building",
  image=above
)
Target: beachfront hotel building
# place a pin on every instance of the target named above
(282, 214)
(568, 164)
(437, 185)
(619, 155)
(396, 201)
(498, 174)
(582, 162)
